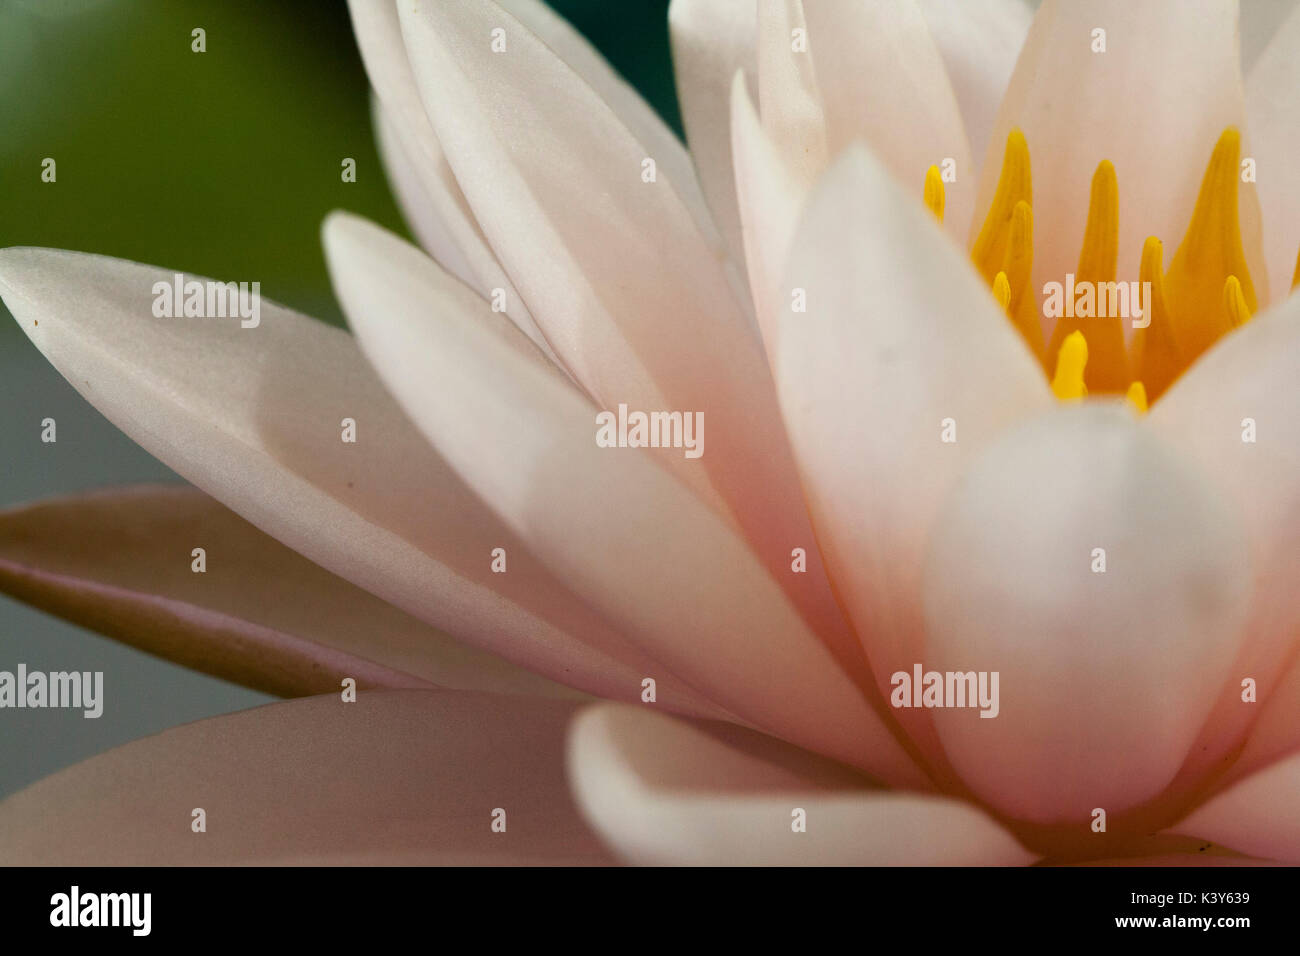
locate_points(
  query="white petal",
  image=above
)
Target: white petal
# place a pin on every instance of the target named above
(712, 39)
(1260, 815)
(1105, 675)
(793, 115)
(899, 336)
(119, 562)
(1260, 22)
(882, 80)
(979, 43)
(1249, 374)
(1273, 118)
(418, 169)
(630, 295)
(1077, 107)
(623, 532)
(664, 791)
(253, 417)
(396, 776)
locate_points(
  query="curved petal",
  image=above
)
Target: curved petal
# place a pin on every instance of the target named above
(1077, 107)
(712, 40)
(1261, 20)
(899, 338)
(1248, 375)
(393, 775)
(1273, 119)
(1106, 585)
(623, 532)
(979, 43)
(254, 417)
(664, 791)
(120, 562)
(1259, 815)
(882, 80)
(1277, 732)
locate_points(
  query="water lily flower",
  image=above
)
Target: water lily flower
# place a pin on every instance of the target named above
(909, 471)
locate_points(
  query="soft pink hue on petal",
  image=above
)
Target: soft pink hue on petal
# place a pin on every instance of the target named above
(1181, 859)
(1258, 816)
(899, 336)
(1105, 676)
(119, 562)
(1277, 731)
(623, 532)
(711, 40)
(1251, 373)
(394, 775)
(979, 43)
(632, 297)
(1273, 120)
(789, 100)
(253, 416)
(663, 791)
(882, 80)
(1154, 104)
(418, 167)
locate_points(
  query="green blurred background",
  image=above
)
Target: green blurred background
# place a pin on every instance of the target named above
(223, 164)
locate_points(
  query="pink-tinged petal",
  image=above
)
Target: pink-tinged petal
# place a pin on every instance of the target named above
(794, 117)
(712, 39)
(899, 339)
(882, 80)
(624, 533)
(1277, 731)
(418, 169)
(1258, 816)
(979, 43)
(1206, 859)
(1077, 107)
(396, 776)
(1083, 562)
(1273, 120)
(1248, 375)
(663, 791)
(120, 562)
(634, 300)
(255, 417)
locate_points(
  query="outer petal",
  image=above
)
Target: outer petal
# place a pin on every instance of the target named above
(1259, 815)
(882, 80)
(1273, 118)
(399, 776)
(712, 40)
(663, 791)
(899, 337)
(1250, 374)
(252, 416)
(119, 562)
(1077, 107)
(1261, 20)
(1093, 571)
(1277, 732)
(979, 43)
(614, 270)
(623, 532)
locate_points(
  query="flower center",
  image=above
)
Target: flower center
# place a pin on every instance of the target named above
(1206, 292)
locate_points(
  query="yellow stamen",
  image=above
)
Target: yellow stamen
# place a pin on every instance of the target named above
(1002, 290)
(1295, 276)
(1108, 368)
(1137, 397)
(1017, 265)
(1234, 303)
(1014, 185)
(934, 192)
(1156, 357)
(1210, 252)
(1068, 382)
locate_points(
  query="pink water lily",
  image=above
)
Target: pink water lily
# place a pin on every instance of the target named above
(849, 297)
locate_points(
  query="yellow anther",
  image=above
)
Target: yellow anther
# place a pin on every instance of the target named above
(1014, 185)
(1211, 251)
(1018, 264)
(1108, 367)
(1156, 357)
(1295, 276)
(1068, 383)
(934, 192)
(1137, 397)
(1002, 290)
(1234, 303)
